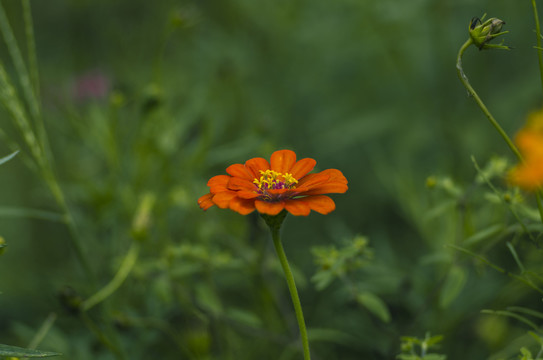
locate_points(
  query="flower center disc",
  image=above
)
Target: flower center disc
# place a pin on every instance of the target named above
(273, 180)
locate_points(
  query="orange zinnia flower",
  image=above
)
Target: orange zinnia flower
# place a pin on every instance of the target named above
(529, 174)
(270, 187)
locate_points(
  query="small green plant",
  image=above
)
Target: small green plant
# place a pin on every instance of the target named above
(414, 348)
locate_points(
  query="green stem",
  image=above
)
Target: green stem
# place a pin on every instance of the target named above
(101, 336)
(540, 60)
(471, 91)
(292, 288)
(539, 204)
(538, 33)
(116, 282)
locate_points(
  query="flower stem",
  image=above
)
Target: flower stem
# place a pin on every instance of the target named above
(121, 275)
(540, 60)
(292, 288)
(471, 91)
(539, 50)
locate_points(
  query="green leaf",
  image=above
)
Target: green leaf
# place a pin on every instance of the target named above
(434, 357)
(375, 305)
(331, 335)
(13, 351)
(208, 299)
(454, 283)
(8, 158)
(436, 339)
(31, 213)
(512, 315)
(244, 317)
(486, 233)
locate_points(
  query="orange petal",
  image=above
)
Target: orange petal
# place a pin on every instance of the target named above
(335, 175)
(244, 194)
(321, 204)
(222, 199)
(313, 180)
(282, 161)
(218, 183)
(205, 201)
(302, 167)
(327, 188)
(255, 165)
(278, 191)
(269, 208)
(242, 206)
(240, 171)
(236, 183)
(528, 176)
(297, 207)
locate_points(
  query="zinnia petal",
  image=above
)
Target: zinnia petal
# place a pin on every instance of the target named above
(239, 170)
(302, 167)
(244, 194)
(205, 201)
(242, 206)
(218, 183)
(282, 161)
(222, 199)
(236, 183)
(269, 208)
(297, 207)
(255, 165)
(313, 180)
(321, 204)
(327, 188)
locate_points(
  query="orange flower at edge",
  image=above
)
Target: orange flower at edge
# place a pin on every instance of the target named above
(529, 174)
(271, 187)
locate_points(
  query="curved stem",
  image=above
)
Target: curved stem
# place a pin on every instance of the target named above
(293, 291)
(464, 79)
(116, 282)
(471, 91)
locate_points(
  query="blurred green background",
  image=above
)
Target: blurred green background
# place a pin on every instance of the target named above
(144, 97)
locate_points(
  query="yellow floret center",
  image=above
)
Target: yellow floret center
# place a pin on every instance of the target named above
(273, 180)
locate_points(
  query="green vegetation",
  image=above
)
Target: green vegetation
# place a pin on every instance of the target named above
(115, 114)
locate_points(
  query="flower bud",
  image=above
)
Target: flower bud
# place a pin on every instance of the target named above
(483, 32)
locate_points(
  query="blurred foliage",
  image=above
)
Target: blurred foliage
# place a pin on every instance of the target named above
(142, 102)
(410, 345)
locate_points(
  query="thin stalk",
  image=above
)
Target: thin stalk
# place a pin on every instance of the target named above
(540, 60)
(293, 291)
(121, 275)
(42, 332)
(34, 77)
(471, 91)
(464, 79)
(75, 237)
(539, 50)
(31, 48)
(539, 204)
(19, 64)
(101, 336)
(538, 356)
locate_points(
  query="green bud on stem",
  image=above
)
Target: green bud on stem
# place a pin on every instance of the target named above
(481, 33)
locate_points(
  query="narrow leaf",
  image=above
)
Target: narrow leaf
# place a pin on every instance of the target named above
(13, 351)
(454, 283)
(375, 305)
(8, 158)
